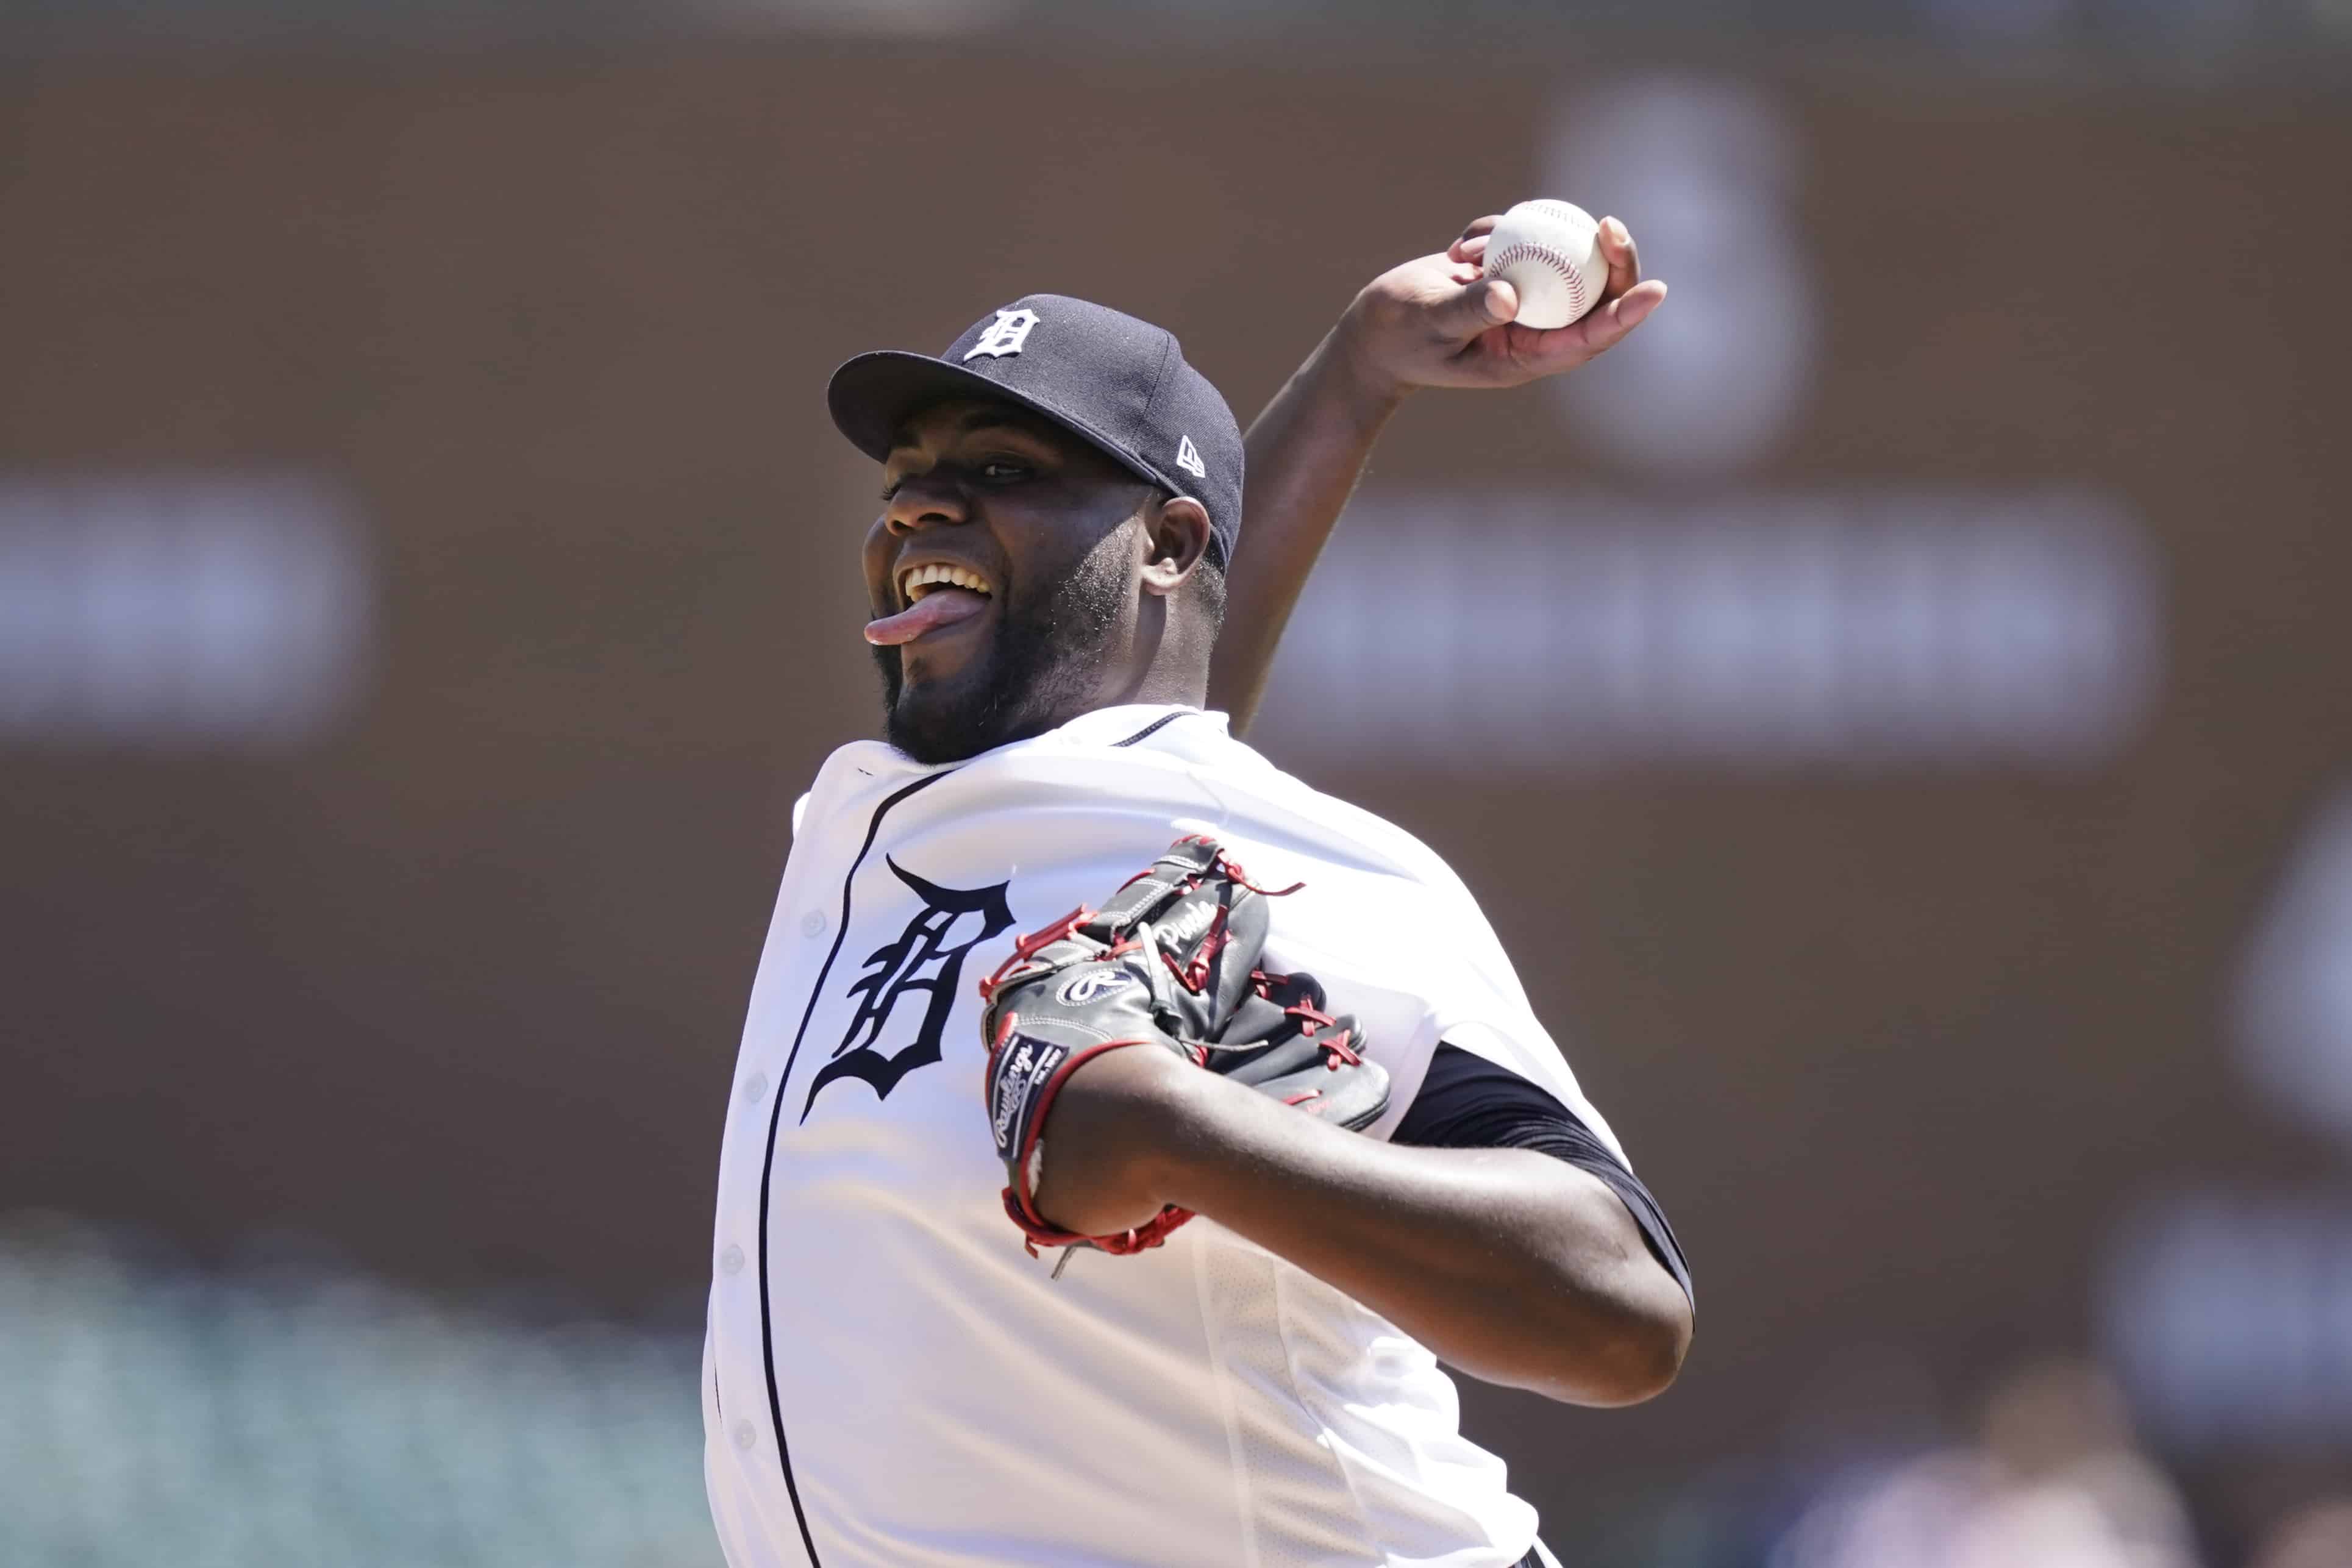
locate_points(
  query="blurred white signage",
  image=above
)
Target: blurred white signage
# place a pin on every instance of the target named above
(202, 612)
(1484, 631)
(1705, 172)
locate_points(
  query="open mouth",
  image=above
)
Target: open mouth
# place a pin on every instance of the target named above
(916, 584)
(934, 596)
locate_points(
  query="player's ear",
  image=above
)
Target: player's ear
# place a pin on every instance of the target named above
(1176, 536)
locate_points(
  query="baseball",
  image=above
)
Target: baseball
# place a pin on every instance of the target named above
(1550, 252)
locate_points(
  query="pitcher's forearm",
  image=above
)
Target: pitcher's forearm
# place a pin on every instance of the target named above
(1434, 321)
(1514, 1267)
(1305, 454)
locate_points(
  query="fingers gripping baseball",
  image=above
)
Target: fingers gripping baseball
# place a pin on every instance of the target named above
(1441, 320)
(1473, 243)
(1478, 307)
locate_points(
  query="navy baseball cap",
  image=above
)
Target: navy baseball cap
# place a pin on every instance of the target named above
(1120, 383)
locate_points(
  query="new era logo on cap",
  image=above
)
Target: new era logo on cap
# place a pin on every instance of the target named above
(1117, 383)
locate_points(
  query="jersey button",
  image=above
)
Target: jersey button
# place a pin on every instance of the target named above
(731, 1260)
(755, 1087)
(744, 1435)
(812, 924)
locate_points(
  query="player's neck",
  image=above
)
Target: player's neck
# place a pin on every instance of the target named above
(1153, 689)
(1188, 689)
(1163, 658)
(1166, 664)
(1169, 665)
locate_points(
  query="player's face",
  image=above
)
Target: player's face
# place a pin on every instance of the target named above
(1002, 573)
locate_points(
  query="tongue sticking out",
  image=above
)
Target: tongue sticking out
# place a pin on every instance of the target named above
(940, 607)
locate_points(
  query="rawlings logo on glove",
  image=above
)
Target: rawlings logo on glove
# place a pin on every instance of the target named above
(1170, 961)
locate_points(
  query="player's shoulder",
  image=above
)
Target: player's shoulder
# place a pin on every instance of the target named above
(1163, 761)
(1271, 805)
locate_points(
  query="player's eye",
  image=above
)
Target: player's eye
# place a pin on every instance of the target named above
(1001, 470)
(890, 488)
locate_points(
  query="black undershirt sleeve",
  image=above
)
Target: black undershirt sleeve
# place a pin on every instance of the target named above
(1469, 1103)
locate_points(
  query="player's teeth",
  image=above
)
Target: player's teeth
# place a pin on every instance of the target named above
(926, 577)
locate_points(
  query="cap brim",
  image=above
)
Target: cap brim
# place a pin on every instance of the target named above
(873, 395)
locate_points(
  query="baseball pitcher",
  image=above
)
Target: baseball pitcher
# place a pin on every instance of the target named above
(1124, 1131)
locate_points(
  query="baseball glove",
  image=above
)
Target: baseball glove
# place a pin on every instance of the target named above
(1170, 961)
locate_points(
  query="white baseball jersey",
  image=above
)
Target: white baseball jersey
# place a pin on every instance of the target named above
(890, 1379)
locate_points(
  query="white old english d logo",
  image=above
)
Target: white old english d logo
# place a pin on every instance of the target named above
(1006, 335)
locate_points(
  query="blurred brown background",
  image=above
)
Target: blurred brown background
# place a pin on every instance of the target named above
(440, 960)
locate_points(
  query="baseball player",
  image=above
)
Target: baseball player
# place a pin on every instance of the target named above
(1124, 1131)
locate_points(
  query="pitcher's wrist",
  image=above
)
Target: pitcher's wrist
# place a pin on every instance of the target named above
(1344, 376)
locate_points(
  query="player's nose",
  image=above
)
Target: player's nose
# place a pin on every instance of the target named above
(923, 502)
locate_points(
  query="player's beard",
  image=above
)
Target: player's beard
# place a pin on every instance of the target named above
(1043, 667)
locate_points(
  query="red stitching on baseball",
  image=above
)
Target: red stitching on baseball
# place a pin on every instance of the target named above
(1527, 250)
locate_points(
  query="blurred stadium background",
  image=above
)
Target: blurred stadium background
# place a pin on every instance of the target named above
(1910, 685)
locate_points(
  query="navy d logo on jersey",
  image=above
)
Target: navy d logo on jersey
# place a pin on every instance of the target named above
(1007, 336)
(922, 959)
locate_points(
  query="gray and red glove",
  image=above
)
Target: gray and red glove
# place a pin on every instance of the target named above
(1170, 961)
